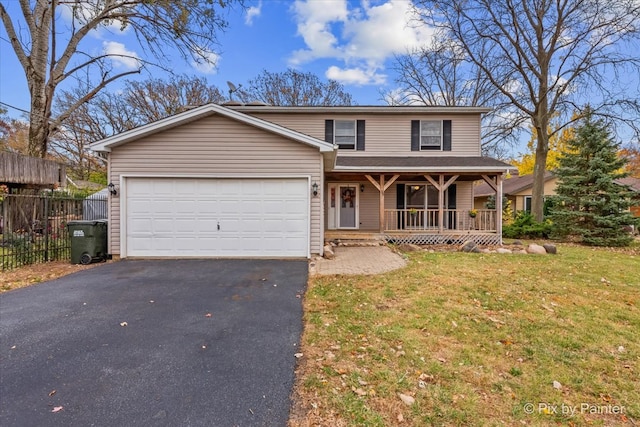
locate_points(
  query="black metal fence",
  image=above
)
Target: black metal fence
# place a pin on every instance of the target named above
(33, 229)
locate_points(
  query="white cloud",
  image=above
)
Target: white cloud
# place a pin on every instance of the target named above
(253, 12)
(120, 56)
(87, 10)
(208, 63)
(356, 76)
(363, 38)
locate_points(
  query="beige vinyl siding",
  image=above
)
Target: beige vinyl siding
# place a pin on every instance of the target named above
(389, 135)
(217, 147)
(369, 207)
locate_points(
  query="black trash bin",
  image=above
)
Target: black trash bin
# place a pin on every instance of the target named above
(88, 241)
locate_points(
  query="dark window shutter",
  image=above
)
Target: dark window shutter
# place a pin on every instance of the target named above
(400, 204)
(446, 135)
(360, 135)
(328, 131)
(415, 135)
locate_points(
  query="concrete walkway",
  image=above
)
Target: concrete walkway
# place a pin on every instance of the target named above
(357, 260)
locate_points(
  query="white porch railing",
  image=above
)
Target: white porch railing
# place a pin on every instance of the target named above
(429, 220)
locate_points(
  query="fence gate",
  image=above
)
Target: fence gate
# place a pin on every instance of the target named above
(33, 229)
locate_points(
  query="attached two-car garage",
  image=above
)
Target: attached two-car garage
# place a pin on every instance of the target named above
(216, 217)
(215, 182)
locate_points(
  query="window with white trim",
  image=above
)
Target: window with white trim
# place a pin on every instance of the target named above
(345, 134)
(430, 134)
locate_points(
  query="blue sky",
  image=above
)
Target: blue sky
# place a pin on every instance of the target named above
(351, 41)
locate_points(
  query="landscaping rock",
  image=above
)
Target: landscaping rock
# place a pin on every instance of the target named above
(551, 249)
(328, 252)
(408, 400)
(469, 246)
(484, 251)
(516, 243)
(409, 247)
(504, 251)
(536, 249)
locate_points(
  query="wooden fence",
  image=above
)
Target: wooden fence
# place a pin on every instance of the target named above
(19, 169)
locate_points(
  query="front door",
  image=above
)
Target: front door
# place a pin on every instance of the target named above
(347, 206)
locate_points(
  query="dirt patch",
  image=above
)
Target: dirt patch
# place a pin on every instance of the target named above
(38, 273)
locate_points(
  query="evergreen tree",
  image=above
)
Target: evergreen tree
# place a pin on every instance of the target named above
(591, 206)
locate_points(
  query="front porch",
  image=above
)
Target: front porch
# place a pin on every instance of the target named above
(435, 208)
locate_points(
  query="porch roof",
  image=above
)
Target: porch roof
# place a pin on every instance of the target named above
(430, 164)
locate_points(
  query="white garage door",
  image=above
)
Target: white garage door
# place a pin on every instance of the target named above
(180, 217)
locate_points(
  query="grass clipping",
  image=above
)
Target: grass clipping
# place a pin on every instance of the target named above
(475, 339)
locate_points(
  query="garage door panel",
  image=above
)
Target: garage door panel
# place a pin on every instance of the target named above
(179, 217)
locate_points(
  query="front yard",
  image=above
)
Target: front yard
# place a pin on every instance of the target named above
(475, 339)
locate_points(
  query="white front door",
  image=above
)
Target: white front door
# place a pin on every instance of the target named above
(343, 206)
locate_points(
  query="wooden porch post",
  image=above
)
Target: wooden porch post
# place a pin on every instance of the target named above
(441, 203)
(381, 207)
(382, 187)
(499, 206)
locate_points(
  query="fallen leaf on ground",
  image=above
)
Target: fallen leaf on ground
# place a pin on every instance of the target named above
(359, 391)
(57, 409)
(298, 355)
(208, 315)
(52, 392)
(123, 323)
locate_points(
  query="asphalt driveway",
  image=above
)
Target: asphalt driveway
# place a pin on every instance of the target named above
(153, 343)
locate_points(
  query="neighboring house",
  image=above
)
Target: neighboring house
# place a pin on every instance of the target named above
(262, 181)
(634, 185)
(517, 189)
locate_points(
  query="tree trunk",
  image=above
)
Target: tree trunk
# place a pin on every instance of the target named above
(539, 169)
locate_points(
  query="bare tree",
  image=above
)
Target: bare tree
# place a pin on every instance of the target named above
(108, 113)
(294, 88)
(155, 99)
(441, 74)
(546, 57)
(50, 48)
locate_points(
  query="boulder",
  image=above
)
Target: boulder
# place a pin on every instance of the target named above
(551, 249)
(516, 243)
(536, 249)
(504, 251)
(469, 246)
(328, 252)
(409, 247)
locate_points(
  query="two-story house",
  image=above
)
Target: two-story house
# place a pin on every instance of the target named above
(264, 181)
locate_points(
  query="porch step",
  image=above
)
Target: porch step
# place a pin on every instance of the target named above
(358, 243)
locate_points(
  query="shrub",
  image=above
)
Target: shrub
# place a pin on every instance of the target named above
(524, 226)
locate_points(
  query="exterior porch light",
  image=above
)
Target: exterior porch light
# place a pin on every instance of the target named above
(112, 189)
(362, 188)
(314, 189)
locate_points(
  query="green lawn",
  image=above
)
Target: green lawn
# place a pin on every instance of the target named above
(476, 339)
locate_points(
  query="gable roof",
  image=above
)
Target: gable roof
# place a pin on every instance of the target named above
(633, 183)
(179, 119)
(510, 186)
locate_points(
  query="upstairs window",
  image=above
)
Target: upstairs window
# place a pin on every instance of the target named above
(430, 134)
(345, 134)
